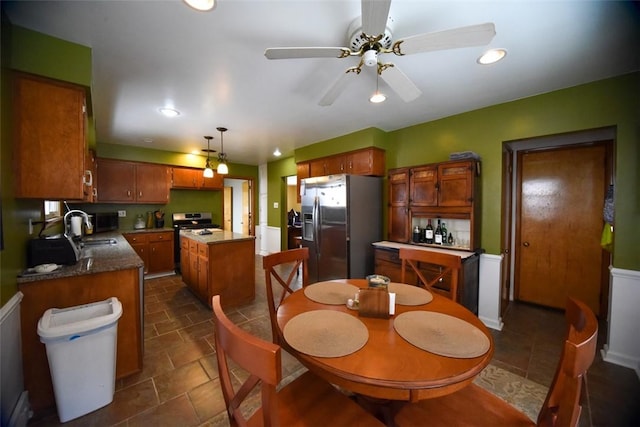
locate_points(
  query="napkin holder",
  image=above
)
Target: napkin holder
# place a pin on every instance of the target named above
(373, 302)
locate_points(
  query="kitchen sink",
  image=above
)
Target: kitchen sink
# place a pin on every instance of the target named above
(93, 242)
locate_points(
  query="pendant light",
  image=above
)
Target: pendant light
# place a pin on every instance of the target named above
(223, 169)
(208, 172)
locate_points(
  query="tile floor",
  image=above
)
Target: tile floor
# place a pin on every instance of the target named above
(179, 383)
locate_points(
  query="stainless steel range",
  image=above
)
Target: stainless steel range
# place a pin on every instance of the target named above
(188, 221)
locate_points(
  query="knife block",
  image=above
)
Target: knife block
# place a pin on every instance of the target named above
(374, 302)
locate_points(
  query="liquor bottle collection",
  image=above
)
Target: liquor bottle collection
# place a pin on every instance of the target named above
(439, 236)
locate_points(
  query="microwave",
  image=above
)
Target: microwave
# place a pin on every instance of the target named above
(104, 221)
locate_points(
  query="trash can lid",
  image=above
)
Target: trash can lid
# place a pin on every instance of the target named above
(56, 322)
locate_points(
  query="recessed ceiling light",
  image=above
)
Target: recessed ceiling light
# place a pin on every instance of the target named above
(277, 153)
(170, 112)
(201, 5)
(492, 56)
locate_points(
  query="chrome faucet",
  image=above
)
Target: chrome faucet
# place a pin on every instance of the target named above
(67, 225)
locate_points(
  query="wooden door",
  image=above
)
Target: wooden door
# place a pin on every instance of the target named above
(227, 204)
(560, 224)
(185, 178)
(424, 186)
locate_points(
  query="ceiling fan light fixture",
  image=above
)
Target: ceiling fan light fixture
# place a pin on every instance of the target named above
(377, 98)
(222, 169)
(201, 5)
(370, 58)
(169, 112)
(277, 152)
(492, 56)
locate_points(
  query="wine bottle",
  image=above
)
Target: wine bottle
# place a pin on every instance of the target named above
(450, 239)
(428, 233)
(444, 233)
(438, 234)
(416, 234)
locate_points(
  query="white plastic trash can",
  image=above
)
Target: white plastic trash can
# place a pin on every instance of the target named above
(81, 349)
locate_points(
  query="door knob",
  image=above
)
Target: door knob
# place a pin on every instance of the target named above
(525, 244)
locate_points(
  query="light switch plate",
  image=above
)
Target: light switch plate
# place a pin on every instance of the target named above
(275, 205)
(122, 214)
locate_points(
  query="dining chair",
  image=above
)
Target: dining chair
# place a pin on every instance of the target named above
(284, 267)
(306, 401)
(446, 263)
(474, 406)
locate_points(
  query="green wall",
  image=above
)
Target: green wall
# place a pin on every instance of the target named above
(610, 102)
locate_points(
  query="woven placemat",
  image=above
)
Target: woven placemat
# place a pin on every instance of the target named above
(441, 334)
(333, 293)
(410, 295)
(326, 333)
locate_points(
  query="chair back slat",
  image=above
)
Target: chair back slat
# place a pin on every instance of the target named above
(283, 268)
(562, 404)
(260, 358)
(448, 263)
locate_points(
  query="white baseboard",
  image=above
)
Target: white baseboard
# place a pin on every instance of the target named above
(22, 412)
(496, 324)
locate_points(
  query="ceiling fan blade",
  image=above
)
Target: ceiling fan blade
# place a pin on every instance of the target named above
(473, 35)
(375, 14)
(400, 83)
(338, 86)
(306, 52)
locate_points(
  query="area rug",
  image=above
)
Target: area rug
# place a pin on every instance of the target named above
(524, 394)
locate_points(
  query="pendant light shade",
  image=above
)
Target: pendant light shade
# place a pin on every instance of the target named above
(208, 171)
(223, 169)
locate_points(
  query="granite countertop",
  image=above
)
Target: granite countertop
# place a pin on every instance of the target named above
(217, 236)
(94, 259)
(448, 250)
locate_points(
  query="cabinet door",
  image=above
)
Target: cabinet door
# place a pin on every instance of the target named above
(203, 278)
(424, 186)
(317, 168)
(152, 183)
(50, 144)
(398, 215)
(185, 178)
(215, 183)
(456, 184)
(117, 181)
(185, 264)
(161, 252)
(366, 162)
(140, 244)
(335, 165)
(302, 172)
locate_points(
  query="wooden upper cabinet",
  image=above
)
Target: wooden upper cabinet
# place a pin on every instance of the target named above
(302, 171)
(49, 138)
(126, 182)
(456, 183)
(365, 162)
(368, 161)
(193, 179)
(91, 176)
(424, 186)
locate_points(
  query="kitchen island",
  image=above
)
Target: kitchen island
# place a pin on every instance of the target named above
(221, 263)
(108, 267)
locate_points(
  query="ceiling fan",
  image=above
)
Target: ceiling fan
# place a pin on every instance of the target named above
(371, 36)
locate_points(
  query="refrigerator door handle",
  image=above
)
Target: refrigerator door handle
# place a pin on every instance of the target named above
(316, 224)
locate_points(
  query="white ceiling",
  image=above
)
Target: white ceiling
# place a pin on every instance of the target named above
(211, 66)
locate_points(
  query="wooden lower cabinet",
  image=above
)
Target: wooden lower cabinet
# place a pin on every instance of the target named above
(388, 263)
(40, 296)
(155, 248)
(225, 268)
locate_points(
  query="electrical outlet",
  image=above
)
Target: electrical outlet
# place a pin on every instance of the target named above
(122, 214)
(275, 205)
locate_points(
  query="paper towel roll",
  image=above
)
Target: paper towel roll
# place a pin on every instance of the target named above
(76, 226)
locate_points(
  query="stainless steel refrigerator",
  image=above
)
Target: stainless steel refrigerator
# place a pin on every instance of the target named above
(341, 218)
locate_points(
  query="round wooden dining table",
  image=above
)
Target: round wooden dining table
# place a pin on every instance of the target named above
(388, 366)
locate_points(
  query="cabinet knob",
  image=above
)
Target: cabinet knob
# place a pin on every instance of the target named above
(525, 244)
